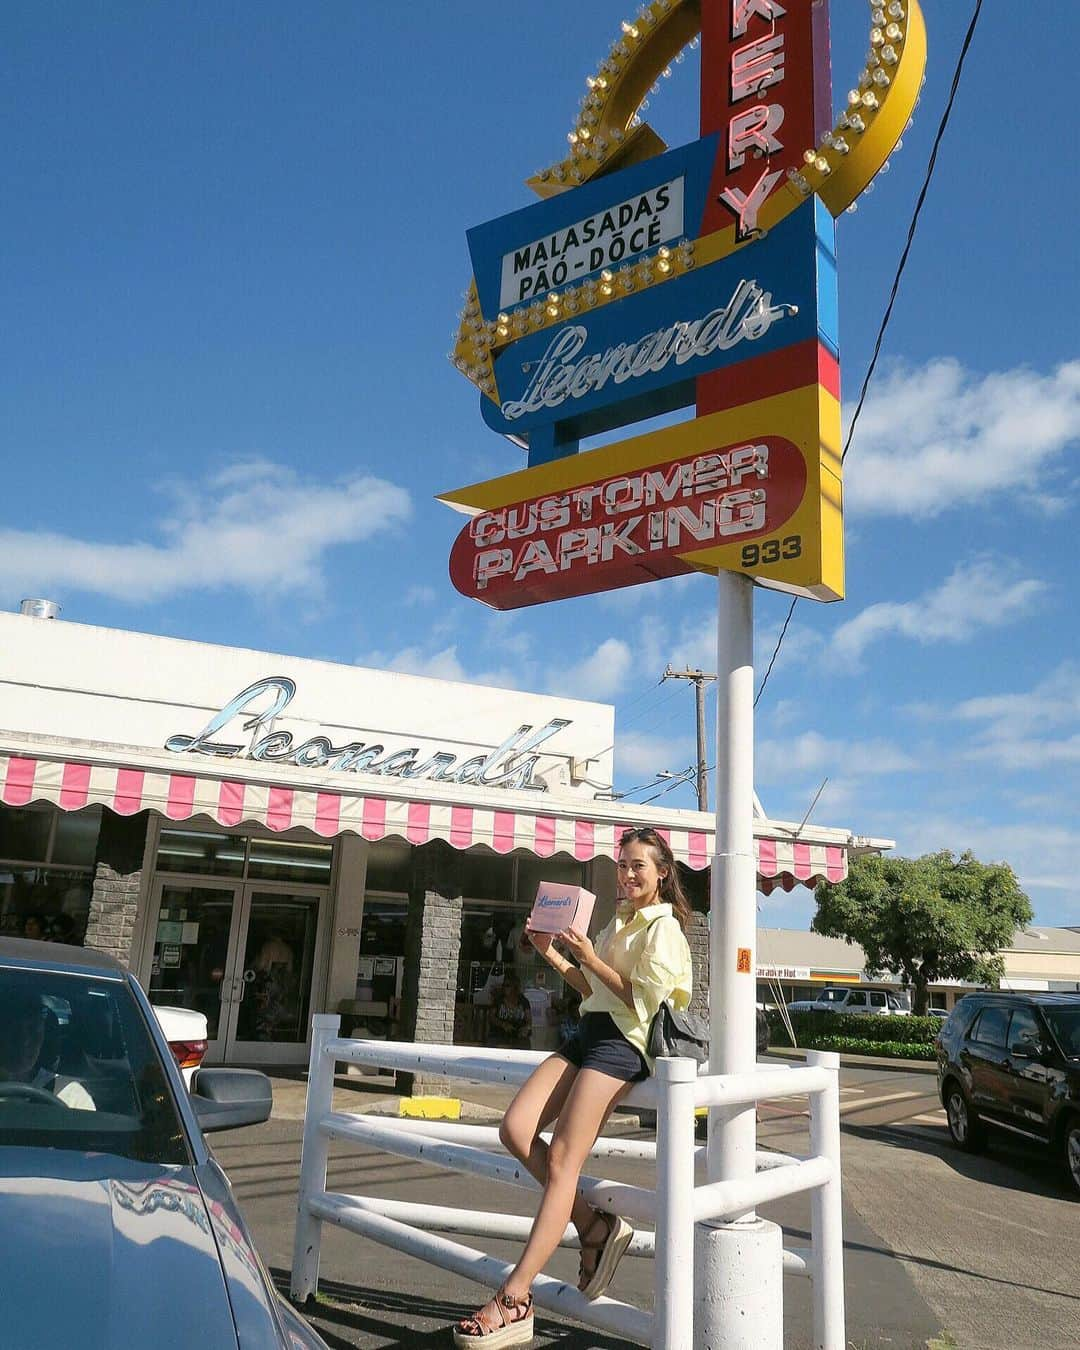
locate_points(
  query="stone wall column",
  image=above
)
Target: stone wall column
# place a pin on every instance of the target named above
(114, 900)
(432, 950)
(697, 937)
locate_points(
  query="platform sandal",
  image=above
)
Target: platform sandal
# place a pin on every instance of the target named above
(594, 1278)
(501, 1321)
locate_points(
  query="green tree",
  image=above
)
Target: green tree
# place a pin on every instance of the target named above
(926, 919)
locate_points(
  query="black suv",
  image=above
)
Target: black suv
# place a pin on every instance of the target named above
(1012, 1062)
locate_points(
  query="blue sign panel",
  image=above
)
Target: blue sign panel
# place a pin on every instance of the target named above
(638, 357)
(616, 219)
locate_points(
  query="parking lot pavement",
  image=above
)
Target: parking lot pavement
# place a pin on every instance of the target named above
(937, 1243)
(372, 1297)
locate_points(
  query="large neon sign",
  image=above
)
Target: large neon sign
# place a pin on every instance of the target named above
(649, 279)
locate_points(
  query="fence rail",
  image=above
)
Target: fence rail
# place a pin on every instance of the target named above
(675, 1206)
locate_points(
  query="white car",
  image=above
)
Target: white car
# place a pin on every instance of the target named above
(853, 999)
(185, 1030)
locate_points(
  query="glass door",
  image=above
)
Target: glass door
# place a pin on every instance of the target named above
(193, 958)
(247, 956)
(278, 947)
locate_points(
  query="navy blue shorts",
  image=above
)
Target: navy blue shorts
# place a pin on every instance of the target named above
(599, 1044)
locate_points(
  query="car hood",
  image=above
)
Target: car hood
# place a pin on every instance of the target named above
(104, 1253)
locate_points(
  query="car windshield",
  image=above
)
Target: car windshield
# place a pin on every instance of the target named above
(79, 1070)
(832, 996)
(1065, 1024)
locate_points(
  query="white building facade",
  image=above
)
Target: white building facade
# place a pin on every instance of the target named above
(263, 837)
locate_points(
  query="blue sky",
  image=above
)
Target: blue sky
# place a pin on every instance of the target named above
(233, 256)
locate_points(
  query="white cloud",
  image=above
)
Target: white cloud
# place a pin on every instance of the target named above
(420, 596)
(983, 593)
(599, 676)
(255, 526)
(779, 760)
(442, 664)
(1042, 853)
(643, 754)
(938, 437)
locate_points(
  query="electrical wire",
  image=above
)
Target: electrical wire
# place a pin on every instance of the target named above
(894, 291)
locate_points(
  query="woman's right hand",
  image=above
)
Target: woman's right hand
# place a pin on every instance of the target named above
(541, 941)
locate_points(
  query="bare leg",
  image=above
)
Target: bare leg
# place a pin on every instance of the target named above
(588, 1104)
(538, 1103)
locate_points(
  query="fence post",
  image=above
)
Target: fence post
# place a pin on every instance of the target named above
(826, 1211)
(674, 1305)
(305, 1266)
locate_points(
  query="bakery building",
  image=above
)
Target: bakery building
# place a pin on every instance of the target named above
(263, 837)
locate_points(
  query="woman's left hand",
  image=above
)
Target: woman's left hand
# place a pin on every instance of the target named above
(580, 946)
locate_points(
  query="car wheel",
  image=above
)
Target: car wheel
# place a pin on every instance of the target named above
(965, 1128)
(1072, 1151)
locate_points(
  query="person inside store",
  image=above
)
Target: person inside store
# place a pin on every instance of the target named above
(34, 928)
(640, 960)
(510, 1026)
(27, 1065)
(273, 988)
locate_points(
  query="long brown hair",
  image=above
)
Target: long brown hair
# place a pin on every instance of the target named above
(671, 891)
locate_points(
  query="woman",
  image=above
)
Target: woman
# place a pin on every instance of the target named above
(511, 1022)
(640, 959)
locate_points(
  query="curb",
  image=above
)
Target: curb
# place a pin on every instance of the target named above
(850, 1061)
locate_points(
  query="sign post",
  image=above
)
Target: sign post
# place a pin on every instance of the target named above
(644, 281)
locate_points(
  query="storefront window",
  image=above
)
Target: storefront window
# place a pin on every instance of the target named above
(24, 832)
(289, 860)
(532, 871)
(389, 865)
(75, 837)
(487, 876)
(50, 904)
(206, 853)
(201, 852)
(40, 897)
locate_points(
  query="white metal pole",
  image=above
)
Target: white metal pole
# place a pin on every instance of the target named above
(305, 1266)
(826, 1210)
(738, 1263)
(732, 942)
(673, 1325)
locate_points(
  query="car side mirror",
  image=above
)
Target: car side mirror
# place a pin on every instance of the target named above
(225, 1099)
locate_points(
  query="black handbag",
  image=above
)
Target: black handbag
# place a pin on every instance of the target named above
(678, 1034)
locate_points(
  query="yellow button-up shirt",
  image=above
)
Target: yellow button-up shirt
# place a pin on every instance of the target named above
(646, 947)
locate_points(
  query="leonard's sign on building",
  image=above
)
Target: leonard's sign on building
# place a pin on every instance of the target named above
(648, 280)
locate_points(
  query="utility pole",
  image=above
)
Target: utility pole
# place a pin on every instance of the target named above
(699, 679)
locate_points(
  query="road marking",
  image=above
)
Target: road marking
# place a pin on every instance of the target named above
(868, 1102)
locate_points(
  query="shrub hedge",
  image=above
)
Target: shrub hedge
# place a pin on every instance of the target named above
(858, 1045)
(806, 1024)
(893, 1037)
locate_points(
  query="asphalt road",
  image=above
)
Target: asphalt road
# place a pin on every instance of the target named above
(979, 1253)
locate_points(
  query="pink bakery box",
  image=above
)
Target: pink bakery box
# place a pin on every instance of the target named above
(557, 908)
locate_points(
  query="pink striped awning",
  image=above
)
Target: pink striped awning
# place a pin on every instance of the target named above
(783, 862)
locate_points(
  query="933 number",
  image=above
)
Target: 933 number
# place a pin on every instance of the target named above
(772, 550)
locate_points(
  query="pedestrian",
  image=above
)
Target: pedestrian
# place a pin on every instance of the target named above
(638, 961)
(511, 1021)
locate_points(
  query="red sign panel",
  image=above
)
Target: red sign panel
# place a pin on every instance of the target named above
(628, 528)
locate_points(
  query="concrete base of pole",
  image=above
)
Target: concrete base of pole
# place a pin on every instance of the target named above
(738, 1286)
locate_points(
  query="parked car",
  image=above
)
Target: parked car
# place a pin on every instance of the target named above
(1011, 1062)
(762, 1031)
(852, 999)
(120, 1228)
(185, 1030)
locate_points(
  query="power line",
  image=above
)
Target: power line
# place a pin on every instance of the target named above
(894, 291)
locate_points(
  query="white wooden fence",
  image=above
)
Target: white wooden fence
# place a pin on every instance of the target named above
(673, 1208)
